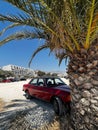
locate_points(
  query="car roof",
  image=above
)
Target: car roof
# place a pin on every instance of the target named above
(47, 77)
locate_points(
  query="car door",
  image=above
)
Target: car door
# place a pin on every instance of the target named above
(40, 88)
(44, 92)
(33, 86)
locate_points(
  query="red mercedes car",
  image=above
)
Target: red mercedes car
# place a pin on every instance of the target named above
(50, 89)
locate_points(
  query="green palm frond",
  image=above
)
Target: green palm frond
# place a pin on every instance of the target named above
(65, 24)
(40, 48)
(16, 36)
(26, 20)
(39, 22)
(86, 45)
(23, 35)
(62, 57)
(75, 17)
(9, 27)
(60, 22)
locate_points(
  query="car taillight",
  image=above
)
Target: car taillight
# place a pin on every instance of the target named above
(68, 98)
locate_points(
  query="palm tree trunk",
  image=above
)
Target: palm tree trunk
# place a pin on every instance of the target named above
(83, 71)
(85, 104)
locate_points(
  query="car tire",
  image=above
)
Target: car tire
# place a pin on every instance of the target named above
(58, 106)
(27, 95)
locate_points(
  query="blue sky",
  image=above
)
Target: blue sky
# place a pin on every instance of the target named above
(19, 52)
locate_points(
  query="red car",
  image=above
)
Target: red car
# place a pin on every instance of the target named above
(6, 80)
(51, 89)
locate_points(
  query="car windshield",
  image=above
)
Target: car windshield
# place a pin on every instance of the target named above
(54, 82)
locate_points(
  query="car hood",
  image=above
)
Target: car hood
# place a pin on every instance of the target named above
(63, 87)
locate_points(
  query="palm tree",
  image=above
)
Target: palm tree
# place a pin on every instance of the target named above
(70, 30)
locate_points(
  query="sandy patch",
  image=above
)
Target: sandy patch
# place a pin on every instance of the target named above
(12, 91)
(2, 104)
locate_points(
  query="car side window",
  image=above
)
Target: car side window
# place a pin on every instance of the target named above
(34, 82)
(50, 82)
(41, 82)
(58, 82)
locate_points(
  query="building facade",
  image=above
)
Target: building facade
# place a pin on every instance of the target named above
(19, 71)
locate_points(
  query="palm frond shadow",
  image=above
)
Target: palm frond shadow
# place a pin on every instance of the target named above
(26, 112)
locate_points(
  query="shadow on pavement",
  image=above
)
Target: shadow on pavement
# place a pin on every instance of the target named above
(26, 114)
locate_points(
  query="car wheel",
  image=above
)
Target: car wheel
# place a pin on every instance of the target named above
(27, 95)
(58, 106)
(67, 108)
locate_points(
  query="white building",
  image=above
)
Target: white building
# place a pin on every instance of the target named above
(19, 71)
